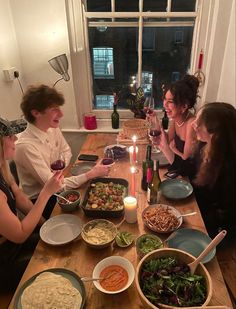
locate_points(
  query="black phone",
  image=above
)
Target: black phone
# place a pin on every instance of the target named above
(171, 174)
(87, 157)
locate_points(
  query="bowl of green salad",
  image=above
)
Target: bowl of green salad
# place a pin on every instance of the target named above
(147, 243)
(163, 280)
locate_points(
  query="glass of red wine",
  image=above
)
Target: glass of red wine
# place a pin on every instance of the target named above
(108, 157)
(155, 132)
(57, 162)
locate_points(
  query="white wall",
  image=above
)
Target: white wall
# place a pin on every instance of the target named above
(10, 93)
(226, 90)
(41, 31)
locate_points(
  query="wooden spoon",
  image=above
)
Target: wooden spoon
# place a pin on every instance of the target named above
(210, 246)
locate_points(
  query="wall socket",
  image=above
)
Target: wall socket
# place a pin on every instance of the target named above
(9, 74)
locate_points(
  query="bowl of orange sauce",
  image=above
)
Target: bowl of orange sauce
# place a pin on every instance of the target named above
(117, 274)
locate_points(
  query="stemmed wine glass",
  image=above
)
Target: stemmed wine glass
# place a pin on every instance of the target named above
(154, 131)
(109, 158)
(149, 106)
(57, 161)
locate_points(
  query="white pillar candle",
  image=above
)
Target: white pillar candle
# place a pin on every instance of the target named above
(131, 155)
(130, 204)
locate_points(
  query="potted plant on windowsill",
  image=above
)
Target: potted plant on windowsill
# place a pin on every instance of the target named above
(136, 103)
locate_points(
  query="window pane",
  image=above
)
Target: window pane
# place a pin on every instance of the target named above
(154, 6)
(123, 42)
(166, 54)
(183, 5)
(98, 5)
(127, 6)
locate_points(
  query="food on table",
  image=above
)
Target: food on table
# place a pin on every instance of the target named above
(106, 196)
(160, 218)
(72, 197)
(99, 232)
(115, 278)
(119, 152)
(124, 239)
(49, 290)
(147, 243)
(169, 281)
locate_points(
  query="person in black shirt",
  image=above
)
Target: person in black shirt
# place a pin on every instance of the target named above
(17, 237)
(212, 168)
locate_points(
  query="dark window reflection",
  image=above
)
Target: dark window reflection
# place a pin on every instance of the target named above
(125, 64)
(183, 5)
(127, 6)
(98, 5)
(155, 6)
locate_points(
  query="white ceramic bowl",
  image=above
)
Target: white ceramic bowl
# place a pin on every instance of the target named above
(114, 260)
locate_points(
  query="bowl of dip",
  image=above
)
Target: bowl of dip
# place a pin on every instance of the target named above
(99, 233)
(118, 273)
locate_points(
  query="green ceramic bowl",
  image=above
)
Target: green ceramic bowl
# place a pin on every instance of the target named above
(73, 196)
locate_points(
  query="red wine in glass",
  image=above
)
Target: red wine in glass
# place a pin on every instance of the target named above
(58, 165)
(154, 132)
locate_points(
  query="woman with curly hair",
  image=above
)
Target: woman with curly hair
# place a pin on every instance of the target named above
(179, 101)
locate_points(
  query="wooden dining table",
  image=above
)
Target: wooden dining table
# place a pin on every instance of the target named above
(81, 259)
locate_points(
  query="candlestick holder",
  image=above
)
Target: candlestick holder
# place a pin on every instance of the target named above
(200, 76)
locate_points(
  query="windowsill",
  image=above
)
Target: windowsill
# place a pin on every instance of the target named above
(103, 126)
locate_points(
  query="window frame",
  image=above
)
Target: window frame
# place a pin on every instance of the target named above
(78, 35)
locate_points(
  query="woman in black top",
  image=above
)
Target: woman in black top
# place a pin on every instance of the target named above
(17, 240)
(212, 169)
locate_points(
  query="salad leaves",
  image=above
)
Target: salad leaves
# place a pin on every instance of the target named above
(168, 281)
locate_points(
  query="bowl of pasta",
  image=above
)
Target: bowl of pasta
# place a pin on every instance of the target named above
(99, 233)
(162, 218)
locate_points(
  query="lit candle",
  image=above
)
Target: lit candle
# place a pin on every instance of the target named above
(131, 154)
(134, 139)
(132, 189)
(130, 204)
(200, 60)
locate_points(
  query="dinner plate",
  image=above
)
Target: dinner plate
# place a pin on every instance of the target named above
(192, 241)
(163, 162)
(61, 229)
(81, 168)
(68, 274)
(176, 189)
(154, 228)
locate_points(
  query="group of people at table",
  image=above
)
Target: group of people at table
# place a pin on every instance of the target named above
(201, 146)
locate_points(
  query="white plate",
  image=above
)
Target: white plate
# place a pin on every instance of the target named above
(61, 229)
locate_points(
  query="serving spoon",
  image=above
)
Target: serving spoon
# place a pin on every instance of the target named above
(208, 248)
(186, 215)
(63, 198)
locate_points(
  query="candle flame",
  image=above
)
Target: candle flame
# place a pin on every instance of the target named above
(132, 169)
(134, 138)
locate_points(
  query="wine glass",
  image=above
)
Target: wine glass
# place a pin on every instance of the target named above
(155, 131)
(57, 161)
(149, 106)
(109, 158)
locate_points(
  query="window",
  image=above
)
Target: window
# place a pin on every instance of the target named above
(103, 62)
(128, 45)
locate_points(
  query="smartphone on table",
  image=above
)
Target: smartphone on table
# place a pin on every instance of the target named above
(87, 157)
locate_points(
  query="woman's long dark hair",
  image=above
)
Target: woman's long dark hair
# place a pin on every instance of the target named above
(220, 120)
